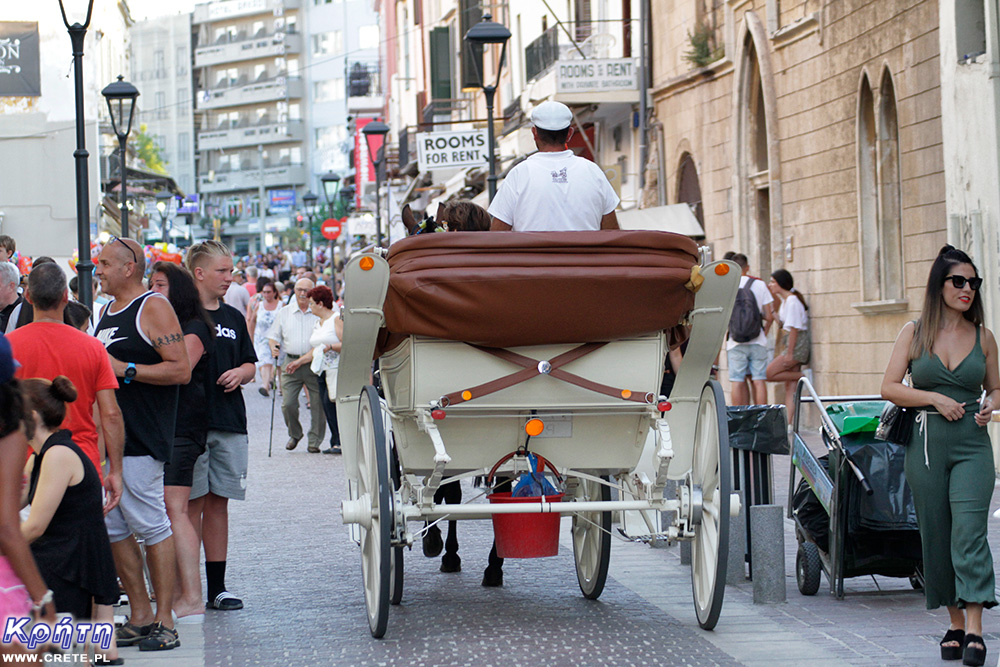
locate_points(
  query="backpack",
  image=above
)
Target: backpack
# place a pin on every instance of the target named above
(746, 321)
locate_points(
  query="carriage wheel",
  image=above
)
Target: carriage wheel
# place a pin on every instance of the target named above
(710, 472)
(592, 540)
(373, 465)
(396, 558)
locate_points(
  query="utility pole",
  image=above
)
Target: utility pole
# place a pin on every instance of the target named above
(262, 206)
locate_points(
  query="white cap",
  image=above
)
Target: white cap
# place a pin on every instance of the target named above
(553, 116)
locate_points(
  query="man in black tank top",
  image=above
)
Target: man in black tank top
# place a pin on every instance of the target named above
(143, 338)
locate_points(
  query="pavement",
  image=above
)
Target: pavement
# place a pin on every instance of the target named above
(300, 578)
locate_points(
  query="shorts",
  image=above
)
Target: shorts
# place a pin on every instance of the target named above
(141, 511)
(180, 470)
(222, 469)
(747, 359)
(14, 599)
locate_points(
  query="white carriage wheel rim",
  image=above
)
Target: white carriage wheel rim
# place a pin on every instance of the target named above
(705, 472)
(368, 483)
(587, 536)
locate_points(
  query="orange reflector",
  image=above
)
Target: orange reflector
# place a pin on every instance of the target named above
(366, 263)
(466, 395)
(626, 394)
(534, 427)
(664, 406)
(438, 414)
(721, 269)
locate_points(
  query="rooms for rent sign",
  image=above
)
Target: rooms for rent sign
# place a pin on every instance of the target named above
(589, 76)
(444, 150)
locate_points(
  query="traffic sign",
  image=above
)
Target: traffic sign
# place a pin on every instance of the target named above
(331, 228)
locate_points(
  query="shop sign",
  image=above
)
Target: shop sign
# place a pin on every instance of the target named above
(596, 76)
(444, 150)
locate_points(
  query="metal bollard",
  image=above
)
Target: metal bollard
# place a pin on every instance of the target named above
(736, 571)
(767, 543)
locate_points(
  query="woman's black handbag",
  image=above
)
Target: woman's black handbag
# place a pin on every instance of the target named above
(896, 424)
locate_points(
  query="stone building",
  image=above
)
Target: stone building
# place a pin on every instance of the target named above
(811, 133)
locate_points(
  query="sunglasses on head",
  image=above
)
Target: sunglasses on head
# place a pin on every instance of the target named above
(127, 247)
(959, 282)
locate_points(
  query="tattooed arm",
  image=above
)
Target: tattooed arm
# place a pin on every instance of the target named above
(160, 325)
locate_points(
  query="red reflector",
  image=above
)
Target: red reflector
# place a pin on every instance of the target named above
(438, 414)
(664, 406)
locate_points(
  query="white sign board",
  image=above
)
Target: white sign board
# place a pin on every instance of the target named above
(444, 150)
(227, 8)
(589, 76)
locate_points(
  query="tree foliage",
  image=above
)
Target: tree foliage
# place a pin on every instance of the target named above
(149, 152)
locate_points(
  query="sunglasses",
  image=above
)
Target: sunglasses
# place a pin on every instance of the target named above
(127, 247)
(959, 282)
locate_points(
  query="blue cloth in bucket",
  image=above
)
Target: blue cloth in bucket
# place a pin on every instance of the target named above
(533, 484)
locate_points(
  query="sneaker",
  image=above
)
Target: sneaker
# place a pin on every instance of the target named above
(130, 634)
(160, 639)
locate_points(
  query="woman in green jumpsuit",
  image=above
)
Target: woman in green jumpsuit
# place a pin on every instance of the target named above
(952, 359)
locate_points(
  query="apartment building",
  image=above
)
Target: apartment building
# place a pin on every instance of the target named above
(250, 98)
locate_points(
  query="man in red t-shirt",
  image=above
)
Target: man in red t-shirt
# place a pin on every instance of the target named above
(47, 348)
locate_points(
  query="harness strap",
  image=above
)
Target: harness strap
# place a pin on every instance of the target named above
(533, 368)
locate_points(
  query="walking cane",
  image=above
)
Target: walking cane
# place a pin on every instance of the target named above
(274, 394)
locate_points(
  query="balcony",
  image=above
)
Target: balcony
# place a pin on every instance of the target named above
(269, 90)
(364, 87)
(265, 46)
(546, 50)
(249, 179)
(541, 53)
(252, 135)
(231, 9)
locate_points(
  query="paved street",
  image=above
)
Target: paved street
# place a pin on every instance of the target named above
(299, 575)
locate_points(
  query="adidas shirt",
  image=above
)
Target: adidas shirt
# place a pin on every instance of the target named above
(554, 192)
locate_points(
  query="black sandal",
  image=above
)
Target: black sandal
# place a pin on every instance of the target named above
(953, 652)
(974, 656)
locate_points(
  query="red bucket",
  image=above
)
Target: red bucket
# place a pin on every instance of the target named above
(533, 535)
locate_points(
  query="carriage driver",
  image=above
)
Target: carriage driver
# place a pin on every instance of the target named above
(554, 190)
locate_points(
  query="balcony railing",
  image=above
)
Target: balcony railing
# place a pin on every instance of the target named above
(541, 54)
(249, 179)
(265, 46)
(251, 93)
(363, 81)
(251, 135)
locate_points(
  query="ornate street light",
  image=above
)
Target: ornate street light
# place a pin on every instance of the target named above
(483, 33)
(331, 182)
(377, 128)
(123, 94)
(85, 267)
(163, 199)
(309, 200)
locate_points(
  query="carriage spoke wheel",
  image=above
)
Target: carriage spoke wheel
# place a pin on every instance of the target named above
(374, 483)
(396, 557)
(710, 473)
(592, 540)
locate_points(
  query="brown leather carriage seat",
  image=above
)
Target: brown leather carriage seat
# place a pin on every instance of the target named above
(532, 288)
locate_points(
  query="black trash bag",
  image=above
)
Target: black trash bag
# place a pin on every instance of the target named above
(891, 505)
(810, 513)
(758, 428)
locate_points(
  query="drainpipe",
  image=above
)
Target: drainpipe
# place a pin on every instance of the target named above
(643, 112)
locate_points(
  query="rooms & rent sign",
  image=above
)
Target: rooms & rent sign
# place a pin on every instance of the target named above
(588, 76)
(443, 150)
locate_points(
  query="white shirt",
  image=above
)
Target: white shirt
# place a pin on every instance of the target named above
(763, 298)
(793, 314)
(238, 297)
(292, 329)
(325, 333)
(551, 192)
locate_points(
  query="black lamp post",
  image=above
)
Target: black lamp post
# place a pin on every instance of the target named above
(331, 182)
(309, 200)
(124, 94)
(163, 198)
(377, 128)
(486, 32)
(84, 268)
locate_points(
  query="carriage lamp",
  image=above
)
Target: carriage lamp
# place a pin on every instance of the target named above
(122, 94)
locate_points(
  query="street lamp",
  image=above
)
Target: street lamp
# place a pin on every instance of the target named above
(124, 94)
(486, 32)
(309, 200)
(377, 128)
(331, 182)
(163, 198)
(85, 267)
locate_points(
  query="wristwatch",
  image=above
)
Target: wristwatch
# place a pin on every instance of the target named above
(129, 373)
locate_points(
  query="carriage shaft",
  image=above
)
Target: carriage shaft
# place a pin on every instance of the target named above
(483, 511)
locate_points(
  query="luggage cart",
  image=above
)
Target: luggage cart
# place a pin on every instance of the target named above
(839, 488)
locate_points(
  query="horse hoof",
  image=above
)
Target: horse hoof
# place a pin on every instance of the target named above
(492, 578)
(433, 544)
(451, 563)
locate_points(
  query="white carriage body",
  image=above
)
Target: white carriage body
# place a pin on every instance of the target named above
(584, 430)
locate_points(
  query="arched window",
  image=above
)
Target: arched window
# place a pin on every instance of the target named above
(890, 213)
(689, 187)
(753, 162)
(871, 288)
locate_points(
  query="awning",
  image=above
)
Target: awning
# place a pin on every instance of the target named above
(676, 218)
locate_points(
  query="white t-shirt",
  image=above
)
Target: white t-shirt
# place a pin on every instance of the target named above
(553, 192)
(793, 314)
(763, 297)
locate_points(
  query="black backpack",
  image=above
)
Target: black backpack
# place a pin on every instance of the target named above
(746, 321)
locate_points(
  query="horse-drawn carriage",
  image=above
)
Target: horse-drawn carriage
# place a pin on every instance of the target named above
(552, 343)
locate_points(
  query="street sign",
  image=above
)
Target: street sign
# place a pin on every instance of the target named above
(331, 228)
(589, 76)
(444, 150)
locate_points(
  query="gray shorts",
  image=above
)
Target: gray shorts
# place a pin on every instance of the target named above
(222, 469)
(141, 511)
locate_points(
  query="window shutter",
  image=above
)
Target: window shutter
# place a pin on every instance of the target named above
(471, 13)
(440, 64)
